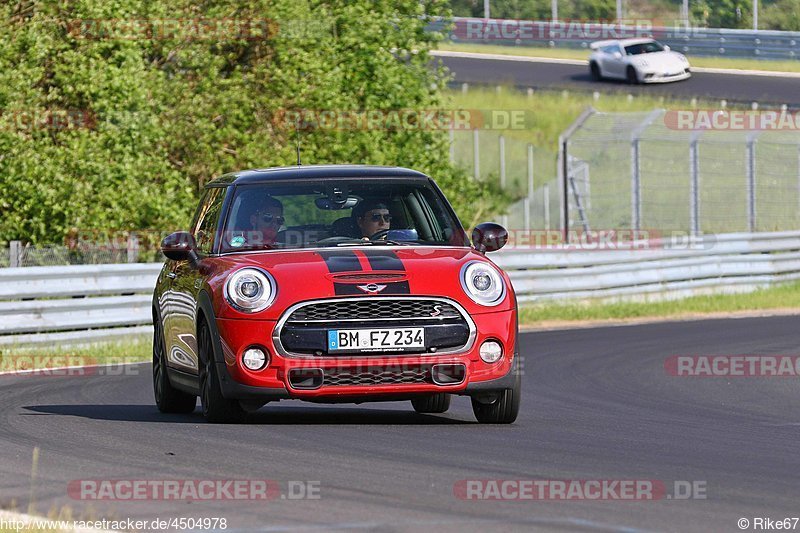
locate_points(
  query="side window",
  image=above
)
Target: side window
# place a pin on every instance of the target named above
(208, 219)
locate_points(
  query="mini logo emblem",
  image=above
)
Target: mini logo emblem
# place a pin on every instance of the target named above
(372, 288)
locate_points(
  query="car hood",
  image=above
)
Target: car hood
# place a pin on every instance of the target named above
(660, 60)
(367, 272)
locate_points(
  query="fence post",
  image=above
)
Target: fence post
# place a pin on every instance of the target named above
(636, 169)
(502, 147)
(546, 193)
(15, 251)
(751, 183)
(476, 157)
(694, 185)
(133, 248)
(563, 169)
(530, 171)
(526, 213)
(636, 182)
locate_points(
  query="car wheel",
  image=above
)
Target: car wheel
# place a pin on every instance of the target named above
(594, 68)
(631, 76)
(503, 409)
(216, 408)
(168, 398)
(436, 403)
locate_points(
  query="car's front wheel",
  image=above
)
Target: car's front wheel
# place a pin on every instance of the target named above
(503, 408)
(168, 398)
(216, 408)
(631, 76)
(435, 403)
(594, 68)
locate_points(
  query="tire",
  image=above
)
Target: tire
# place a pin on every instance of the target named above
(504, 409)
(436, 403)
(216, 408)
(594, 69)
(168, 399)
(631, 77)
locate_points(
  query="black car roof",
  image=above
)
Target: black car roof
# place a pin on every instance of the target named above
(314, 171)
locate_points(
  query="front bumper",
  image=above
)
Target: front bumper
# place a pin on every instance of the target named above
(660, 77)
(274, 383)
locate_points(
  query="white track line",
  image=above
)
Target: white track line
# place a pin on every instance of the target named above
(536, 59)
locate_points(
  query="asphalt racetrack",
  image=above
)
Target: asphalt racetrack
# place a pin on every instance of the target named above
(735, 88)
(597, 405)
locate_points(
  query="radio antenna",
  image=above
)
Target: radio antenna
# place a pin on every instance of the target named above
(297, 141)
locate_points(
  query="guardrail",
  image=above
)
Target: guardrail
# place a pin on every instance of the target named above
(752, 44)
(87, 303)
(75, 304)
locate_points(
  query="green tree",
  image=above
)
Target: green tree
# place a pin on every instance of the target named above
(151, 118)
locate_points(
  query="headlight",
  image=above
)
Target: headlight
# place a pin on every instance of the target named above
(250, 290)
(482, 283)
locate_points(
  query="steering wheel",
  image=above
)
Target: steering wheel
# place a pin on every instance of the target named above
(379, 235)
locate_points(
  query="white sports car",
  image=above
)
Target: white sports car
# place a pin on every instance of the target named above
(637, 61)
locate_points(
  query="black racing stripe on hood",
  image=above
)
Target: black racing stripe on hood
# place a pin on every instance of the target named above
(383, 260)
(341, 261)
(400, 287)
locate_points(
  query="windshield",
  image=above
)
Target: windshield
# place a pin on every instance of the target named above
(339, 213)
(643, 48)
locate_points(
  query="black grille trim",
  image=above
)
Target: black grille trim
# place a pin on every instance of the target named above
(378, 376)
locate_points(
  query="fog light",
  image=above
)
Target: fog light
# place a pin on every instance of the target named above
(254, 359)
(491, 351)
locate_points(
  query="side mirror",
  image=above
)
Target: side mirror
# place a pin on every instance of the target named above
(667, 48)
(489, 237)
(180, 246)
(617, 55)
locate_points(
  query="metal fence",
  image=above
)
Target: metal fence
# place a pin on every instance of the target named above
(719, 42)
(131, 249)
(79, 304)
(632, 170)
(524, 171)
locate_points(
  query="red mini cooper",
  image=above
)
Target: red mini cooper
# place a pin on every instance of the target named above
(333, 284)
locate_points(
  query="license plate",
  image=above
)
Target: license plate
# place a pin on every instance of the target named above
(375, 340)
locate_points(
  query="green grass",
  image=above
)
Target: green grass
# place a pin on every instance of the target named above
(20, 358)
(778, 297)
(565, 53)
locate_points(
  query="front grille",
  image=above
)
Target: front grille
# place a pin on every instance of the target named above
(386, 376)
(374, 309)
(305, 329)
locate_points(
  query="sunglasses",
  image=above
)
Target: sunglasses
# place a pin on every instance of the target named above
(269, 219)
(376, 217)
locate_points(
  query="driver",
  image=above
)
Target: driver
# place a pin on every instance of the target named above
(371, 217)
(267, 220)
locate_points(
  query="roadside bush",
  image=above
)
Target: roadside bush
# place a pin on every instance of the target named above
(105, 125)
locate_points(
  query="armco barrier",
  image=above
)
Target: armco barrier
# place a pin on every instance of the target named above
(75, 304)
(79, 304)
